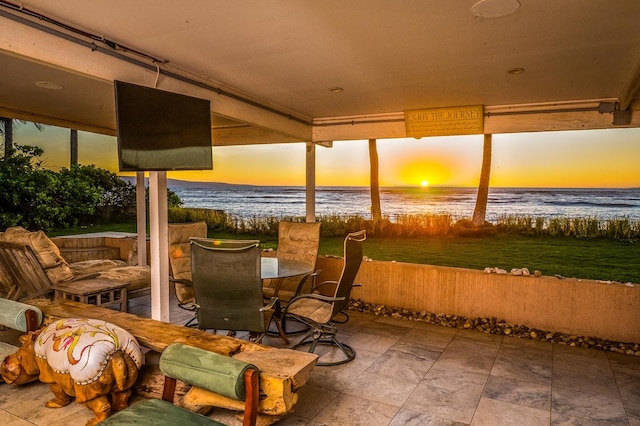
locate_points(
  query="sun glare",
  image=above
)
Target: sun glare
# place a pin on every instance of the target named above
(424, 183)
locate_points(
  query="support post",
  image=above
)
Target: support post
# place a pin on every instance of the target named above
(141, 218)
(73, 147)
(158, 232)
(311, 182)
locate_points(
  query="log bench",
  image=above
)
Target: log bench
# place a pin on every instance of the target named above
(282, 371)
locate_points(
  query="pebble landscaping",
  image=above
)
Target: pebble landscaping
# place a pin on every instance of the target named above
(495, 326)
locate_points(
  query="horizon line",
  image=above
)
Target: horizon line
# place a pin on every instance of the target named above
(391, 186)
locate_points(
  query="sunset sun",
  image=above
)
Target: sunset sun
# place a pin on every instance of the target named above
(424, 183)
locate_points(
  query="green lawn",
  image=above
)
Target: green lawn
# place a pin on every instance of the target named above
(601, 259)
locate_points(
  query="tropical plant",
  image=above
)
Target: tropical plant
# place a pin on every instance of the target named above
(376, 211)
(6, 130)
(480, 210)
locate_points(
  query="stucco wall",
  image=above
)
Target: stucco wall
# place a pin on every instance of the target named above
(571, 306)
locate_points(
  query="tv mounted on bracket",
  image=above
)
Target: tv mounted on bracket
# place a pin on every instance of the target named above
(160, 130)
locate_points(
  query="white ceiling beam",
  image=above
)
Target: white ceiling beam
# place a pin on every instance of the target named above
(248, 135)
(578, 115)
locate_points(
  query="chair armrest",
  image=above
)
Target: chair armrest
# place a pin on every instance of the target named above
(180, 281)
(326, 284)
(274, 301)
(312, 276)
(317, 297)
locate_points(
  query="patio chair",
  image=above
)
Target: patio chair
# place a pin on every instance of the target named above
(296, 241)
(228, 287)
(180, 262)
(217, 373)
(328, 299)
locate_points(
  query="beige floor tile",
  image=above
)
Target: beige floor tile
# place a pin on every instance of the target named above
(518, 368)
(567, 404)
(8, 419)
(491, 412)
(312, 400)
(383, 389)
(337, 378)
(528, 394)
(411, 418)
(447, 376)
(354, 411)
(438, 339)
(453, 405)
(405, 363)
(467, 361)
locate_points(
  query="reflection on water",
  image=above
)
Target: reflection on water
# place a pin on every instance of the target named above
(279, 201)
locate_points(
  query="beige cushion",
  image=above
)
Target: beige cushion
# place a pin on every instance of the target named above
(87, 267)
(180, 255)
(48, 254)
(315, 310)
(136, 276)
(179, 248)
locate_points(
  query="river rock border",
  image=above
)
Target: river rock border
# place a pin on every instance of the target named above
(495, 326)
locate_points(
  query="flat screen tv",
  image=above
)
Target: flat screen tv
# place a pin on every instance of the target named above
(160, 130)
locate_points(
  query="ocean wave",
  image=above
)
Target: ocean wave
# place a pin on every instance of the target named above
(248, 201)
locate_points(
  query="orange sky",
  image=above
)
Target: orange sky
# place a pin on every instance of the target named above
(594, 158)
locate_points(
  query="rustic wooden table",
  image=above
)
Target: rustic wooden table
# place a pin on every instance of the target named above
(96, 291)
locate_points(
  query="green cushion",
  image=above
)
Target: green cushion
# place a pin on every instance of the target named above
(208, 370)
(156, 412)
(12, 314)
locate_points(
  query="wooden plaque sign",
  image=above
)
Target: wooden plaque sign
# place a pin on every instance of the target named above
(462, 120)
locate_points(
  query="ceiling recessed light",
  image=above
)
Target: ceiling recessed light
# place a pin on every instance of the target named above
(336, 89)
(48, 85)
(515, 71)
(491, 9)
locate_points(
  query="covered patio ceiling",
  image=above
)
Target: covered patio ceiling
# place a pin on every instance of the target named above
(290, 71)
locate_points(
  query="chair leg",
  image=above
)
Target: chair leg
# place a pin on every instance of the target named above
(281, 333)
(326, 337)
(290, 332)
(193, 322)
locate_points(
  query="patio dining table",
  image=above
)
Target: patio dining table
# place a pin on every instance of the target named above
(274, 268)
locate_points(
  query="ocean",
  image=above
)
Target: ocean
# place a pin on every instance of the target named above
(284, 201)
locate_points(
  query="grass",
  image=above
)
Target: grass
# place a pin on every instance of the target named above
(599, 259)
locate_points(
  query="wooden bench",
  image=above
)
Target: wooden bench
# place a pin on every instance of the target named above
(283, 371)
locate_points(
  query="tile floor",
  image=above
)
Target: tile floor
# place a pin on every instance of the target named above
(408, 373)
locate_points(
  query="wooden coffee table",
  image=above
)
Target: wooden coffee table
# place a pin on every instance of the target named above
(95, 291)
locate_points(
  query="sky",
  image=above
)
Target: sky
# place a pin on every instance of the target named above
(569, 159)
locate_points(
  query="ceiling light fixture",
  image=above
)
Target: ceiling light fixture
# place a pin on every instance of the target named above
(48, 85)
(336, 89)
(491, 9)
(515, 71)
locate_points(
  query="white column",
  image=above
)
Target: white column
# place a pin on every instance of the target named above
(141, 219)
(311, 182)
(159, 245)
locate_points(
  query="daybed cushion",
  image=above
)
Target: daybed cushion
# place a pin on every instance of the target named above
(136, 276)
(87, 267)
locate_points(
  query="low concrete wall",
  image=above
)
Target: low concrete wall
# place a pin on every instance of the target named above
(570, 306)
